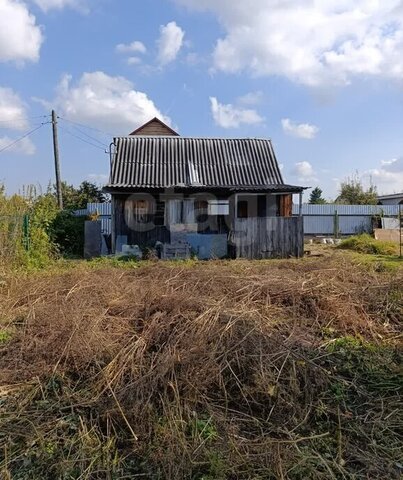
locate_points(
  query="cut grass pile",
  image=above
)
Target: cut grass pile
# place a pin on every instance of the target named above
(366, 244)
(220, 370)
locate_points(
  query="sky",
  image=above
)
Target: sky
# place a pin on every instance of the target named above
(322, 80)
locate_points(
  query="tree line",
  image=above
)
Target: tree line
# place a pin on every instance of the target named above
(351, 192)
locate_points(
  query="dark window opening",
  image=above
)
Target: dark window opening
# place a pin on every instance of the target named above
(159, 218)
(262, 206)
(242, 209)
(201, 211)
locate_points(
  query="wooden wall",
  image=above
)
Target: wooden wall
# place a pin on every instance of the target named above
(272, 237)
(155, 128)
(146, 238)
(252, 237)
(285, 205)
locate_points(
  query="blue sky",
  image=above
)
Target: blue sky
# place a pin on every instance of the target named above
(323, 80)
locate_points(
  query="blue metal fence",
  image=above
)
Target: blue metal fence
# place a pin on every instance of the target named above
(318, 219)
(352, 219)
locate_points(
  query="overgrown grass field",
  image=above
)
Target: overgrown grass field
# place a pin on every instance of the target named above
(203, 370)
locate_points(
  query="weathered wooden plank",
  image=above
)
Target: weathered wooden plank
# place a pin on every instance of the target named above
(269, 237)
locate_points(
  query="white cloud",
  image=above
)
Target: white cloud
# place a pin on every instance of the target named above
(229, 116)
(98, 177)
(105, 102)
(12, 110)
(169, 43)
(20, 37)
(134, 47)
(304, 171)
(24, 146)
(395, 165)
(300, 130)
(251, 98)
(134, 61)
(310, 42)
(388, 177)
(47, 5)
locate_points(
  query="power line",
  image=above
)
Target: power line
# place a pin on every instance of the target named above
(23, 119)
(82, 139)
(88, 136)
(22, 138)
(87, 126)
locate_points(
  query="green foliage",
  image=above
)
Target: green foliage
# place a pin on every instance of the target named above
(33, 230)
(67, 232)
(5, 336)
(364, 365)
(41, 249)
(366, 244)
(77, 198)
(203, 429)
(316, 197)
(352, 192)
(24, 228)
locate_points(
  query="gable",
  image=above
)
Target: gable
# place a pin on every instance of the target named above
(155, 127)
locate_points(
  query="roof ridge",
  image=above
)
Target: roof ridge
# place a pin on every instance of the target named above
(136, 137)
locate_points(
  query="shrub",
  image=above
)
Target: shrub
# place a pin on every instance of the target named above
(67, 232)
(366, 244)
(41, 248)
(24, 229)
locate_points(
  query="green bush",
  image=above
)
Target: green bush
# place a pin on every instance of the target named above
(366, 244)
(24, 229)
(67, 232)
(41, 248)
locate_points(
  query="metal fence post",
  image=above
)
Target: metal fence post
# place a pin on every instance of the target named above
(336, 225)
(26, 232)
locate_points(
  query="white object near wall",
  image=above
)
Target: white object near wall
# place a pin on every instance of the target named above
(218, 207)
(132, 250)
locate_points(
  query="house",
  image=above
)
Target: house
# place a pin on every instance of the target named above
(215, 197)
(393, 199)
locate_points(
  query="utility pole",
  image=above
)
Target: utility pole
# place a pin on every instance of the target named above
(57, 161)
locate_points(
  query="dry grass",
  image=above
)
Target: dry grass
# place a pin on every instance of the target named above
(237, 370)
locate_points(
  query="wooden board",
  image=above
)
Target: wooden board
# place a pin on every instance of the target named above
(271, 237)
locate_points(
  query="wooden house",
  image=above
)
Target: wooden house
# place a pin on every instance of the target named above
(214, 197)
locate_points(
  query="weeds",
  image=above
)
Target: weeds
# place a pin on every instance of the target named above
(192, 370)
(366, 244)
(5, 336)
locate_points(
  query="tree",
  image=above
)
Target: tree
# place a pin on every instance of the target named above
(352, 192)
(316, 197)
(77, 198)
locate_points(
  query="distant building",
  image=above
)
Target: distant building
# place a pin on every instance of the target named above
(393, 199)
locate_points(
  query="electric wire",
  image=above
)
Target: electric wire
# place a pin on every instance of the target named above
(82, 139)
(104, 145)
(108, 134)
(22, 137)
(23, 119)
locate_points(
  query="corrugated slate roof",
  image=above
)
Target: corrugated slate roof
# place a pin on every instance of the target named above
(166, 162)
